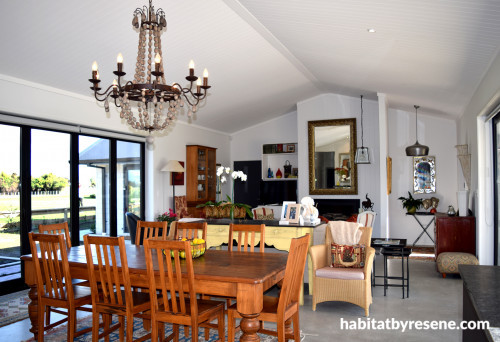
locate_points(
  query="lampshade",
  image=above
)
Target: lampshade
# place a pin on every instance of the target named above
(172, 166)
(417, 150)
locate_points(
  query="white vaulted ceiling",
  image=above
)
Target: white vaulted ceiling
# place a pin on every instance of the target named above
(264, 56)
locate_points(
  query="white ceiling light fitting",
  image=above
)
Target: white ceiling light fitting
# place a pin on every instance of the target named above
(417, 150)
(362, 153)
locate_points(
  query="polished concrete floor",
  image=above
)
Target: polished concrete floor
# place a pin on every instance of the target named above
(431, 298)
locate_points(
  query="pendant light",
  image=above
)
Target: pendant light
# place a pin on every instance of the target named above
(417, 150)
(362, 153)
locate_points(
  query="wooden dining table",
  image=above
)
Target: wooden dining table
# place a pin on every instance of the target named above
(237, 274)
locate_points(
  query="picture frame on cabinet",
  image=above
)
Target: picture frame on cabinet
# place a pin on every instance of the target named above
(290, 148)
(293, 213)
(284, 209)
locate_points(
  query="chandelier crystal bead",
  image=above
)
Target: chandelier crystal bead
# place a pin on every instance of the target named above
(148, 88)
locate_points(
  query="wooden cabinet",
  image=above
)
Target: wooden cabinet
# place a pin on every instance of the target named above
(455, 234)
(200, 176)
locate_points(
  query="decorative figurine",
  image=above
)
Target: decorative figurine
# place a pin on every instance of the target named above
(368, 204)
(451, 211)
(310, 212)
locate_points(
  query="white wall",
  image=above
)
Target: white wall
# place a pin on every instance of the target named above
(333, 106)
(440, 135)
(173, 146)
(247, 144)
(472, 130)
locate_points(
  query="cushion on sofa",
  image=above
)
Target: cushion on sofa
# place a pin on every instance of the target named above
(263, 214)
(341, 273)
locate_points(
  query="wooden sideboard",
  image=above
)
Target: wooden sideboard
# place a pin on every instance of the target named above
(455, 234)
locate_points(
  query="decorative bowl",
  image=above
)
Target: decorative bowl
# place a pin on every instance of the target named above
(198, 247)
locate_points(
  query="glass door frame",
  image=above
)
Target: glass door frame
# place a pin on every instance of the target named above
(25, 190)
(496, 196)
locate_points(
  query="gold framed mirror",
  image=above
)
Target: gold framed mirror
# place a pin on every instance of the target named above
(332, 146)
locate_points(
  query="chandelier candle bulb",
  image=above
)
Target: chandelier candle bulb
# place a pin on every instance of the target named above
(94, 70)
(205, 77)
(119, 62)
(157, 62)
(198, 86)
(191, 68)
(115, 86)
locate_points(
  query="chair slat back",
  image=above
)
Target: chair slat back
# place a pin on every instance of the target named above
(191, 230)
(111, 270)
(294, 273)
(149, 229)
(367, 218)
(51, 265)
(56, 228)
(245, 235)
(163, 262)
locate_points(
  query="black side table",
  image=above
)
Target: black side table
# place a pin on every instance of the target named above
(402, 252)
(378, 244)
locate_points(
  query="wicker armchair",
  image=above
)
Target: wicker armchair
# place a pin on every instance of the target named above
(355, 291)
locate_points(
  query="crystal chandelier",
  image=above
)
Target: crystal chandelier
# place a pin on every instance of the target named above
(157, 102)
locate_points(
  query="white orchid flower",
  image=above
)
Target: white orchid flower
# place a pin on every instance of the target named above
(241, 174)
(228, 170)
(234, 174)
(220, 170)
(244, 178)
(223, 179)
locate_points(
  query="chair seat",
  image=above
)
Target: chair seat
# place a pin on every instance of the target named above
(341, 273)
(78, 291)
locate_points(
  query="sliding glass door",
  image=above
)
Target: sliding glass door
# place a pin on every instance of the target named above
(94, 185)
(10, 238)
(50, 171)
(496, 163)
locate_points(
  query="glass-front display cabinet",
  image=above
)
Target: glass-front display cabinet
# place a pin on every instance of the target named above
(200, 176)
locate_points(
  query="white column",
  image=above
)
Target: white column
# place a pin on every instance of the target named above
(384, 153)
(149, 186)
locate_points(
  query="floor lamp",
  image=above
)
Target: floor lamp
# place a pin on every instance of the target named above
(173, 166)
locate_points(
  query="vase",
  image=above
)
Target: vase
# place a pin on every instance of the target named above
(463, 202)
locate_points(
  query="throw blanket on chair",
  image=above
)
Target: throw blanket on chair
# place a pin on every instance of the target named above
(345, 233)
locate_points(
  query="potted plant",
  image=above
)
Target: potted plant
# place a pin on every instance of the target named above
(411, 204)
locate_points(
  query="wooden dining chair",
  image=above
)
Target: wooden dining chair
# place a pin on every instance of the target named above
(245, 235)
(110, 286)
(56, 228)
(191, 230)
(171, 287)
(279, 310)
(54, 284)
(149, 229)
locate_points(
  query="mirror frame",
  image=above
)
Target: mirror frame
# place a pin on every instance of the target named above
(353, 190)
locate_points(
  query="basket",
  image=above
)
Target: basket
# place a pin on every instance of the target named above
(197, 250)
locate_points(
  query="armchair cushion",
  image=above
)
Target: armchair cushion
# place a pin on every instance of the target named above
(341, 273)
(345, 256)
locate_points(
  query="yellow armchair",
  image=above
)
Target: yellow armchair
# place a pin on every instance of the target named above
(341, 284)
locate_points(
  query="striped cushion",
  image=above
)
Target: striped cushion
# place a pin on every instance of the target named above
(263, 214)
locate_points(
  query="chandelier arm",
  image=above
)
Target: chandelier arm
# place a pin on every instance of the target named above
(106, 93)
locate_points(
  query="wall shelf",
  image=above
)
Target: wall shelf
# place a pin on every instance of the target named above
(274, 156)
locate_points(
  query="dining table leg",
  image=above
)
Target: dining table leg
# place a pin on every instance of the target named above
(33, 310)
(249, 301)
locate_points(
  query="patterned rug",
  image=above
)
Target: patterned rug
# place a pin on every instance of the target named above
(58, 334)
(14, 307)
